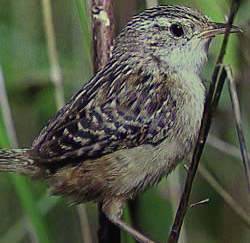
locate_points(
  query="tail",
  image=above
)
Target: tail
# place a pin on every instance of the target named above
(18, 161)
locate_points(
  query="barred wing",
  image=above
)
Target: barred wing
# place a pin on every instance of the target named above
(118, 109)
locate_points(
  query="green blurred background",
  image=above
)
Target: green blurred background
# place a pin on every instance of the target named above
(27, 213)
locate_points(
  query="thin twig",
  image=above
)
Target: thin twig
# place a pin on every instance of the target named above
(57, 79)
(200, 203)
(151, 3)
(238, 121)
(103, 34)
(218, 80)
(232, 203)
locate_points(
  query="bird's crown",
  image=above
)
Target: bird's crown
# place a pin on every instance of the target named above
(175, 36)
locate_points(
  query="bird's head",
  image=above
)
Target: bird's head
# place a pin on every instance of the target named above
(176, 37)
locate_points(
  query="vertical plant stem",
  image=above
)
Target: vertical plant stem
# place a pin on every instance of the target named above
(21, 185)
(218, 79)
(57, 79)
(103, 34)
(84, 223)
(55, 69)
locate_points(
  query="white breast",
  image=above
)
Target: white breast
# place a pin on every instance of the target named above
(146, 164)
(190, 94)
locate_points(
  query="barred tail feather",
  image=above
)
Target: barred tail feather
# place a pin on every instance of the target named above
(17, 160)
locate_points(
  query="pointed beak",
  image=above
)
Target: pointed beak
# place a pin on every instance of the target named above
(218, 29)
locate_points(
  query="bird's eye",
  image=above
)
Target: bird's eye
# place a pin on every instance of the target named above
(177, 30)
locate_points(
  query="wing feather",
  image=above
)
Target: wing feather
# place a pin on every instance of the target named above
(118, 109)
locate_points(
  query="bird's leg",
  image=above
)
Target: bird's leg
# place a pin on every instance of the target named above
(113, 210)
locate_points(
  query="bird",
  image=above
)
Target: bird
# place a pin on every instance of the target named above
(134, 121)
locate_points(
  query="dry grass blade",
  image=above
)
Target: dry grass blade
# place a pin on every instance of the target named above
(218, 80)
(226, 196)
(224, 147)
(238, 121)
(230, 201)
(55, 69)
(8, 121)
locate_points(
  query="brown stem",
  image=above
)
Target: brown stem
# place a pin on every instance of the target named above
(215, 90)
(103, 31)
(103, 34)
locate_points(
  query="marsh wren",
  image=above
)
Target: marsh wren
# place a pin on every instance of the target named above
(134, 121)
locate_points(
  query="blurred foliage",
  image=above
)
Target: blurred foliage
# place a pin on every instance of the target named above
(23, 57)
